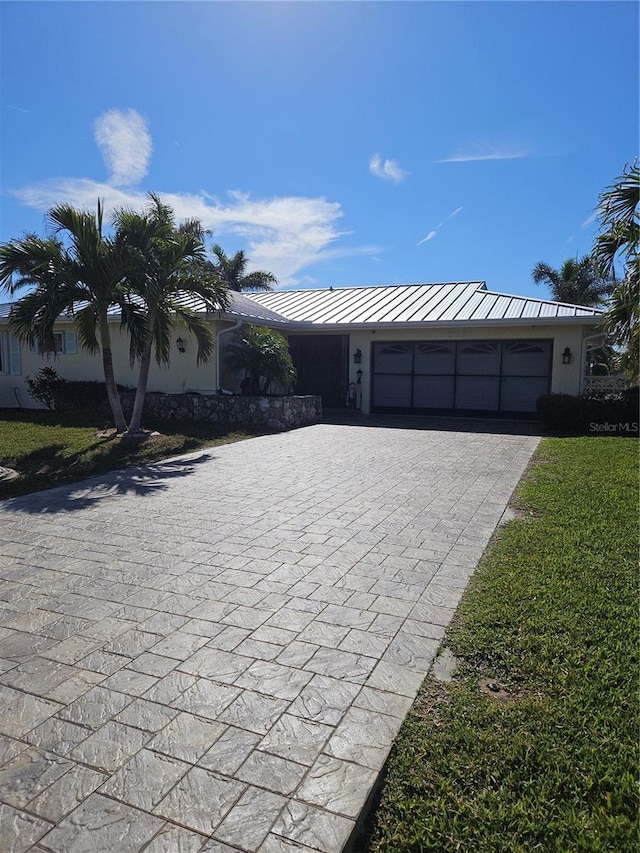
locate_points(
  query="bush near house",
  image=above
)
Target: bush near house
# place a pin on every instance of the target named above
(593, 414)
(263, 354)
(70, 397)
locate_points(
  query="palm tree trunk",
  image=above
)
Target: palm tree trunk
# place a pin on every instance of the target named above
(143, 378)
(109, 376)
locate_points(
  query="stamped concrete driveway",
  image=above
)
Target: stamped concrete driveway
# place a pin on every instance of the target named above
(215, 654)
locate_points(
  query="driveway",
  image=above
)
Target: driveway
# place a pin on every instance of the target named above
(216, 653)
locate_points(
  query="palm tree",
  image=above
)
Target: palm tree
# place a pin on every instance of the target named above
(577, 281)
(87, 269)
(231, 270)
(167, 270)
(619, 223)
(619, 237)
(264, 356)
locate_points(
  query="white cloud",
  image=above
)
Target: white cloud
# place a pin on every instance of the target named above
(429, 236)
(284, 234)
(434, 233)
(125, 144)
(386, 170)
(591, 219)
(480, 151)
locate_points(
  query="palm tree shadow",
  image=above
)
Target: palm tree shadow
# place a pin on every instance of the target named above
(141, 480)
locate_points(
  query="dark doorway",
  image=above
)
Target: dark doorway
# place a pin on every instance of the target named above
(322, 362)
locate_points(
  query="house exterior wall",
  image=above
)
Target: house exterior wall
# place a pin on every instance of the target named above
(182, 374)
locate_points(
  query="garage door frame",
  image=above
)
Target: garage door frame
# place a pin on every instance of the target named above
(405, 374)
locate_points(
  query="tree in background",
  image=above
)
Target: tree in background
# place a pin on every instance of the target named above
(167, 269)
(78, 271)
(618, 239)
(264, 356)
(578, 281)
(232, 271)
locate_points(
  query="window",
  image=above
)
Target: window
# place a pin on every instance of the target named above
(65, 343)
(9, 354)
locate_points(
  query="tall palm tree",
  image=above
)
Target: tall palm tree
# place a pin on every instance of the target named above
(577, 281)
(619, 238)
(232, 271)
(82, 275)
(167, 269)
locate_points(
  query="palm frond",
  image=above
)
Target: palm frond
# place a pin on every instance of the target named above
(259, 280)
(86, 321)
(201, 331)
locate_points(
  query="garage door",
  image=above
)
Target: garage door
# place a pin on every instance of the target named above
(461, 377)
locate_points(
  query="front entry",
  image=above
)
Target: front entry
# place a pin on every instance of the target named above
(482, 378)
(322, 363)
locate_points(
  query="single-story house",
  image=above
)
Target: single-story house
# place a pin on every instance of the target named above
(455, 348)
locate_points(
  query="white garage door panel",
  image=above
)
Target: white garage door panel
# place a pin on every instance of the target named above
(525, 358)
(435, 358)
(433, 392)
(521, 394)
(477, 392)
(479, 357)
(392, 391)
(394, 358)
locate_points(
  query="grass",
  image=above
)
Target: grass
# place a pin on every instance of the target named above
(49, 449)
(552, 615)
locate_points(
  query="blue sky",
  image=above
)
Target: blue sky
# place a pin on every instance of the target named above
(337, 143)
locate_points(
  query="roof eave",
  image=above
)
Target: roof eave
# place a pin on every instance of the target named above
(451, 324)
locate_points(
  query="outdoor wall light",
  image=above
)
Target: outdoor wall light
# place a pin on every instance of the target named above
(180, 345)
(359, 375)
(566, 356)
(357, 356)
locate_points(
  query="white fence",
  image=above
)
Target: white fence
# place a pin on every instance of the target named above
(604, 384)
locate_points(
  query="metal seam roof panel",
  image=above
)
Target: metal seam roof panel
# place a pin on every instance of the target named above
(443, 302)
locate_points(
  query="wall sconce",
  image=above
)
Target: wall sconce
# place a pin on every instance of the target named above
(180, 345)
(566, 356)
(357, 356)
(359, 375)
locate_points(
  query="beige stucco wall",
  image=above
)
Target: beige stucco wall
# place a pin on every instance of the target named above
(184, 374)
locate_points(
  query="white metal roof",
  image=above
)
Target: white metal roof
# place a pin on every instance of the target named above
(455, 303)
(451, 302)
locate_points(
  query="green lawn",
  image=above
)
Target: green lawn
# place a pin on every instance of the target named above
(551, 615)
(49, 450)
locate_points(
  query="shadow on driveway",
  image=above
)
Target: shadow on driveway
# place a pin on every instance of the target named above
(494, 426)
(141, 480)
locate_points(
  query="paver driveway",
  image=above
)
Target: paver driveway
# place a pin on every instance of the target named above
(216, 653)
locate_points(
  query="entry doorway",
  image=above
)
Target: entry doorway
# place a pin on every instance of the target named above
(322, 364)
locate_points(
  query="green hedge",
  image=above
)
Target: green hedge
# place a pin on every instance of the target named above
(67, 397)
(592, 414)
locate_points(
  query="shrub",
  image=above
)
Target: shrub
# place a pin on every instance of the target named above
(264, 356)
(67, 397)
(592, 414)
(46, 387)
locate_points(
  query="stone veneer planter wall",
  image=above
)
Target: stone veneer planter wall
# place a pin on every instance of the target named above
(277, 413)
